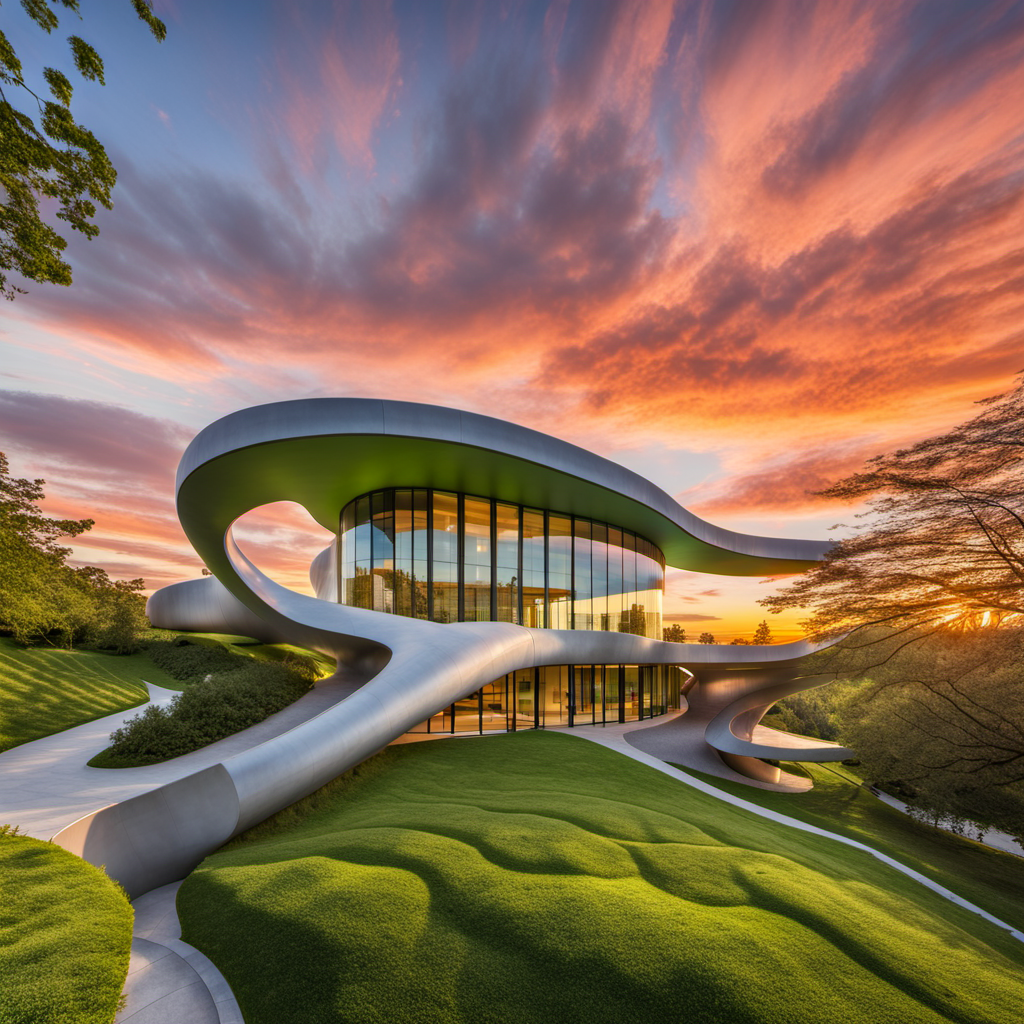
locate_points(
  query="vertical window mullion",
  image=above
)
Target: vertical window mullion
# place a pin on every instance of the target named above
(519, 569)
(494, 561)
(461, 556)
(572, 577)
(547, 571)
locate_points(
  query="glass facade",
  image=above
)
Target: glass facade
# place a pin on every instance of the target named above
(566, 696)
(460, 558)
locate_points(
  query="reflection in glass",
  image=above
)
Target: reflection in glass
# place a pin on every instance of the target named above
(477, 560)
(449, 557)
(534, 561)
(506, 579)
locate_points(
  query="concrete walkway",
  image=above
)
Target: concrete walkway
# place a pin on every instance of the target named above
(680, 739)
(990, 837)
(168, 980)
(47, 784)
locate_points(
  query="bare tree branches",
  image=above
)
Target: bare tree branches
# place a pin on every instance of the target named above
(943, 537)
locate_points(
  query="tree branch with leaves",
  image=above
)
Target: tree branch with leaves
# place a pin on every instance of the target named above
(46, 155)
(942, 545)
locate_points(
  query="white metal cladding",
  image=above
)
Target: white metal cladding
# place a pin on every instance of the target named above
(402, 670)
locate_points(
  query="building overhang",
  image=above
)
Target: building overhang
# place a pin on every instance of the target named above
(324, 452)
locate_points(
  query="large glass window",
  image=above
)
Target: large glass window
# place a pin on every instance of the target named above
(565, 695)
(560, 571)
(506, 531)
(534, 560)
(477, 560)
(444, 580)
(450, 557)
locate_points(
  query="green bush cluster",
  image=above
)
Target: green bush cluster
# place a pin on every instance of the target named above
(190, 661)
(225, 694)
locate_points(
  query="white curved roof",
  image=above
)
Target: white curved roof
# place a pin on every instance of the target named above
(322, 452)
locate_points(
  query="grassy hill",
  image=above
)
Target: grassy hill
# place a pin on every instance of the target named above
(988, 878)
(537, 877)
(44, 690)
(65, 936)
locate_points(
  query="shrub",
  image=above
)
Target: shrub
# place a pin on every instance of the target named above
(189, 661)
(235, 693)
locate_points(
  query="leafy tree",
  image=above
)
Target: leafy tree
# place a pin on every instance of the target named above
(943, 541)
(739, 640)
(763, 633)
(42, 598)
(706, 638)
(925, 600)
(817, 712)
(674, 633)
(55, 159)
(942, 725)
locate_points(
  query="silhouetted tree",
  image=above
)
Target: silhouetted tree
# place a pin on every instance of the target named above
(706, 638)
(674, 633)
(943, 543)
(763, 633)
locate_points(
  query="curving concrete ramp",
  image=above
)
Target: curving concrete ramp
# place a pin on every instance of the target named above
(401, 671)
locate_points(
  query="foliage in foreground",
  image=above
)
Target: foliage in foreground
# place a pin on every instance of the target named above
(56, 159)
(538, 877)
(65, 936)
(941, 724)
(225, 694)
(44, 690)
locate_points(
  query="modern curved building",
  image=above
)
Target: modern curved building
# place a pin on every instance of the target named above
(483, 576)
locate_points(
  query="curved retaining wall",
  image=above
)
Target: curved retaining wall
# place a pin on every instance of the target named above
(409, 668)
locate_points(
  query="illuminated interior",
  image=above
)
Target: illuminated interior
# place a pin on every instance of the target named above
(452, 557)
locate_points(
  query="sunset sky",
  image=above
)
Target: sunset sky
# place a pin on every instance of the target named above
(738, 247)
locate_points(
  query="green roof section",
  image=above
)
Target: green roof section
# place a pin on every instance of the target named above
(315, 461)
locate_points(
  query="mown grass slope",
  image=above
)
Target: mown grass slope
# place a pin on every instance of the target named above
(44, 690)
(991, 879)
(65, 936)
(537, 877)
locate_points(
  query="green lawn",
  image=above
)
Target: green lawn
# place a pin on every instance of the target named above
(65, 936)
(991, 879)
(246, 645)
(537, 877)
(44, 690)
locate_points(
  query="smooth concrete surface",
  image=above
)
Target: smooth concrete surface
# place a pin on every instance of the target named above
(280, 451)
(169, 981)
(680, 740)
(409, 669)
(47, 784)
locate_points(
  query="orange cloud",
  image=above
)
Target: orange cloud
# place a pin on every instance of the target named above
(786, 234)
